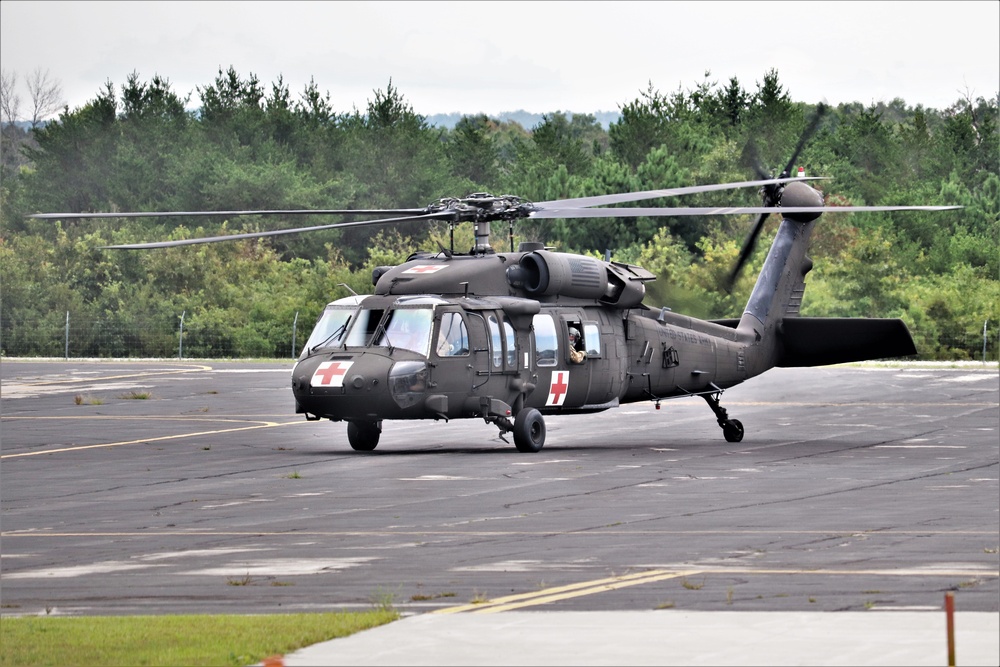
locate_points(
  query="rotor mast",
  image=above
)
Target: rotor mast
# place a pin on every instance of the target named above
(481, 208)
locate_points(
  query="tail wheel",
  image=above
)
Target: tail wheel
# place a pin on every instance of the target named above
(363, 436)
(529, 430)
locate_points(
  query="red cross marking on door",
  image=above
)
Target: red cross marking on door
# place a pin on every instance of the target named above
(331, 373)
(558, 387)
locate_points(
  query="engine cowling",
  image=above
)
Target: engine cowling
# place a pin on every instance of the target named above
(546, 273)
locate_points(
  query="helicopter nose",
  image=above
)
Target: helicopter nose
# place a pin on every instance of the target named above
(360, 386)
(341, 388)
(337, 376)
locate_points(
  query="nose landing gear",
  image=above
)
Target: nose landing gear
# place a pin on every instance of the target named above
(363, 435)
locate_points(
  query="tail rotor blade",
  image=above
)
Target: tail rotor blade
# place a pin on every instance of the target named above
(745, 251)
(751, 159)
(771, 193)
(806, 136)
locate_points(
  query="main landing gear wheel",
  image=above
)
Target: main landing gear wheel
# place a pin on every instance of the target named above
(733, 430)
(529, 430)
(363, 436)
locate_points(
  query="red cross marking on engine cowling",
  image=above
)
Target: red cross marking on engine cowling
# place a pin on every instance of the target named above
(425, 268)
(558, 387)
(331, 374)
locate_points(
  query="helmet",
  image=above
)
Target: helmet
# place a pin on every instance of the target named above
(574, 333)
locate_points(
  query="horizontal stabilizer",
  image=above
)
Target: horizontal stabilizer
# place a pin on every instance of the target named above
(820, 341)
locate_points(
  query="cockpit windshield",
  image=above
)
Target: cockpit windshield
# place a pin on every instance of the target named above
(333, 324)
(406, 324)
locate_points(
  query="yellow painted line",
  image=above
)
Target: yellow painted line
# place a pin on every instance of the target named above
(149, 440)
(557, 590)
(494, 608)
(104, 378)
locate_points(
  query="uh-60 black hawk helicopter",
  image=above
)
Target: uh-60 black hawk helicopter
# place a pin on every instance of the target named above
(486, 334)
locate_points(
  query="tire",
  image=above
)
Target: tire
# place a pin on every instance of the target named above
(529, 430)
(733, 430)
(363, 436)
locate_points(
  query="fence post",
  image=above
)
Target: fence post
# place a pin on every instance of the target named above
(984, 340)
(180, 338)
(295, 326)
(66, 348)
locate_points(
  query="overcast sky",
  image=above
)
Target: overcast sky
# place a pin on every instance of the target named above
(492, 57)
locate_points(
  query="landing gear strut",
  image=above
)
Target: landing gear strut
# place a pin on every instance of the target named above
(528, 429)
(732, 429)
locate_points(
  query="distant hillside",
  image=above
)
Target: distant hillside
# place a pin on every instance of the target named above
(526, 119)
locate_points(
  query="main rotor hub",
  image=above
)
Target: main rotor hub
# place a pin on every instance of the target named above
(482, 207)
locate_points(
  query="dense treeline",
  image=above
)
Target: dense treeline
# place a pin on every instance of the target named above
(138, 147)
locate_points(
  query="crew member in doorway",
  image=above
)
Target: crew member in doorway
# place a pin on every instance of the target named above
(576, 352)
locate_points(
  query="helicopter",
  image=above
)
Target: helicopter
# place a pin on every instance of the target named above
(512, 336)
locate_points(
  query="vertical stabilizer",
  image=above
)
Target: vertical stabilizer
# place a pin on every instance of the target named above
(778, 291)
(777, 294)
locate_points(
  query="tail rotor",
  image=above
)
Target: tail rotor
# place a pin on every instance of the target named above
(771, 194)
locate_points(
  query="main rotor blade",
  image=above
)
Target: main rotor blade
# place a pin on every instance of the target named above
(600, 200)
(176, 214)
(258, 235)
(677, 212)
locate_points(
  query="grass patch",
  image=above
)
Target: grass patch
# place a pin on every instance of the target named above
(136, 395)
(80, 399)
(424, 598)
(245, 580)
(229, 640)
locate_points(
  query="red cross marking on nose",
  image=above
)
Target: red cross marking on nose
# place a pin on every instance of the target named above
(331, 373)
(558, 388)
(425, 268)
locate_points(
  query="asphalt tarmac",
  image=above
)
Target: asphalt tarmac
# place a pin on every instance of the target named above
(192, 487)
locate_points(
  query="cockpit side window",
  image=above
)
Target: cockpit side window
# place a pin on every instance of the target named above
(546, 341)
(495, 341)
(408, 328)
(511, 341)
(453, 336)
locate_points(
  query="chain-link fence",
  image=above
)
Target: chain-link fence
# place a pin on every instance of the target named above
(82, 337)
(69, 337)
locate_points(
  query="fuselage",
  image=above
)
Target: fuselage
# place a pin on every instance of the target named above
(429, 357)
